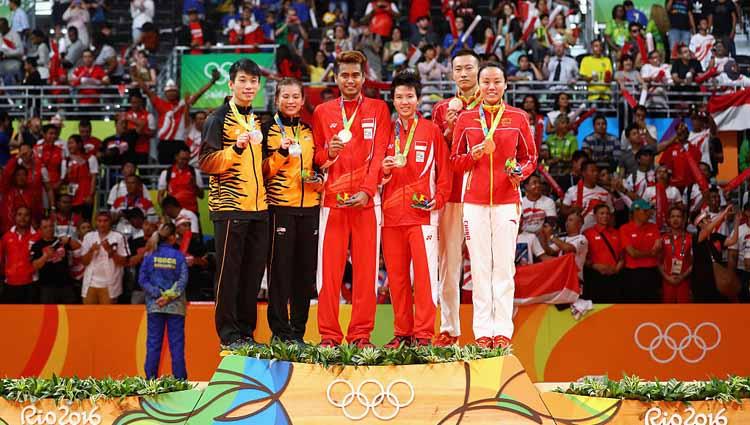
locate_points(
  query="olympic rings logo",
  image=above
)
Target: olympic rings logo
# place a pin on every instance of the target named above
(223, 70)
(697, 337)
(383, 396)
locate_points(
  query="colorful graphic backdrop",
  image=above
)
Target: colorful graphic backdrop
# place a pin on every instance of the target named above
(659, 341)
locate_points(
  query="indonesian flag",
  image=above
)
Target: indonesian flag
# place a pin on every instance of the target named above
(549, 282)
(731, 111)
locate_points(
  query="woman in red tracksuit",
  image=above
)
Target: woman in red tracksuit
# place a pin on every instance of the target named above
(416, 184)
(494, 147)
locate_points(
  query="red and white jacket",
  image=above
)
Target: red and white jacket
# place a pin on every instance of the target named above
(486, 181)
(427, 173)
(438, 117)
(357, 167)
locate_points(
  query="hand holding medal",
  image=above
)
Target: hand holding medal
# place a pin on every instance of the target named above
(513, 169)
(399, 159)
(252, 135)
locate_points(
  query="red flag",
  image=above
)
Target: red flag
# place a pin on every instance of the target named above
(712, 72)
(661, 204)
(581, 118)
(736, 182)
(697, 174)
(552, 182)
(549, 282)
(629, 98)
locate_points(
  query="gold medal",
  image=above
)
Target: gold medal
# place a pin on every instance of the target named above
(399, 160)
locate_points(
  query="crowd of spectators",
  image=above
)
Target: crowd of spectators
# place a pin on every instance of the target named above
(47, 208)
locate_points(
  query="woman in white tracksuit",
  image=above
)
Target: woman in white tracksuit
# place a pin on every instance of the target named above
(495, 150)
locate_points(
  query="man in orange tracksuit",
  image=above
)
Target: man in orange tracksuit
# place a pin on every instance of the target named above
(496, 150)
(416, 183)
(451, 229)
(351, 135)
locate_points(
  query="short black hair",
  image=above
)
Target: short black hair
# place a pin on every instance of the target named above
(48, 127)
(600, 206)
(579, 154)
(466, 52)
(72, 28)
(408, 79)
(629, 129)
(491, 64)
(247, 66)
(76, 138)
(170, 201)
(182, 148)
(640, 107)
(600, 116)
(84, 123)
(628, 3)
(587, 163)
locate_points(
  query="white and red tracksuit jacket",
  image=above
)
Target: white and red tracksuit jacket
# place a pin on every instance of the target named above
(438, 117)
(357, 167)
(427, 172)
(486, 181)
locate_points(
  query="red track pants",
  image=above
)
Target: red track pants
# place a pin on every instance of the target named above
(337, 227)
(416, 246)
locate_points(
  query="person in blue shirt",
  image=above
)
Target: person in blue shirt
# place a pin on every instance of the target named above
(634, 15)
(454, 45)
(163, 277)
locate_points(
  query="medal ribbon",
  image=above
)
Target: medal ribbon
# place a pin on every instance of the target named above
(495, 122)
(295, 129)
(244, 122)
(409, 138)
(348, 121)
(472, 101)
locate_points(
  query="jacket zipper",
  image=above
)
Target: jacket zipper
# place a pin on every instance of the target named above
(255, 176)
(492, 169)
(302, 180)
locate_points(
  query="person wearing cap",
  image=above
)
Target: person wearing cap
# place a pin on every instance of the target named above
(171, 111)
(604, 261)
(642, 245)
(676, 259)
(164, 278)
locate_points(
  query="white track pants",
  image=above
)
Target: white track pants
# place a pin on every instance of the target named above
(451, 240)
(491, 233)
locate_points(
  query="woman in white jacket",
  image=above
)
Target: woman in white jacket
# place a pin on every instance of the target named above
(78, 16)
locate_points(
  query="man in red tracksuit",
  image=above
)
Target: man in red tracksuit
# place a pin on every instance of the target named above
(416, 183)
(496, 150)
(451, 229)
(351, 135)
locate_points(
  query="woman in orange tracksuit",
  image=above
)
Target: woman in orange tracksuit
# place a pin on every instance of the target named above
(416, 184)
(493, 145)
(293, 195)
